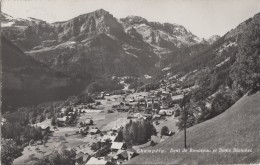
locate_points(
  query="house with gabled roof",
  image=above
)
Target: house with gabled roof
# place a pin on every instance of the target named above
(118, 146)
(94, 131)
(96, 161)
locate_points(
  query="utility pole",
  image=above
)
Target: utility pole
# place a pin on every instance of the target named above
(185, 121)
(184, 101)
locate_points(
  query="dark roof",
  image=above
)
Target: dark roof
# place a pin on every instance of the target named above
(124, 154)
(79, 156)
(108, 158)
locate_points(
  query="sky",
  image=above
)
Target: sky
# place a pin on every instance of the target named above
(203, 18)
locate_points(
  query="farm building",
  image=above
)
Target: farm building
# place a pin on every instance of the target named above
(96, 161)
(123, 109)
(176, 107)
(82, 158)
(88, 121)
(167, 112)
(156, 117)
(124, 155)
(134, 115)
(118, 146)
(177, 98)
(62, 119)
(108, 137)
(83, 130)
(154, 104)
(94, 131)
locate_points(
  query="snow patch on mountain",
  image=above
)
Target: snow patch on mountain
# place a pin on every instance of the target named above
(147, 76)
(8, 24)
(223, 62)
(131, 54)
(166, 68)
(226, 46)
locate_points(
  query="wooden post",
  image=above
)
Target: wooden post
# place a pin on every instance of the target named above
(185, 122)
(185, 144)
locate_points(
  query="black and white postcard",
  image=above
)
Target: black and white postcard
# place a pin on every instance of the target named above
(86, 82)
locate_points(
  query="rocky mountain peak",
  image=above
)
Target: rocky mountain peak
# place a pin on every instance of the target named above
(86, 25)
(131, 20)
(5, 17)
(212, 39)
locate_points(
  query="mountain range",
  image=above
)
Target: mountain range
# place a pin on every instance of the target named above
(97, 45)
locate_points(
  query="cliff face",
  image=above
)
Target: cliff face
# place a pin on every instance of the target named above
(162, 37)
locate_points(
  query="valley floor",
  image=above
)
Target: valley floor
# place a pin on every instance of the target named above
(104, 121)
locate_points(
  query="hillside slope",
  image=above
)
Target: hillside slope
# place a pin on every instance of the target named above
(238, 127)
(24, 78)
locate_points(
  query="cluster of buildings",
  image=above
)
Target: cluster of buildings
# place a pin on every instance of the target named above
(157, 102)
(112, 151)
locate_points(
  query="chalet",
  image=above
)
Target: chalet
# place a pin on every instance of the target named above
(83, 130)
(117, 146)
(176, 107)
(125, 155)
(123, 108)
(165, 93)
(88, 121)
(69, 149)
(72, 113)
(108, 158)
(94, 131)
(177, 98)
(98, 95)
(121, 156)
(165, 105)
(63, 119)
(134, 115)
(130, 116)
(108, 137)
(167, 112)
(96, 161)
(82, 158)
(131, 100)
(39, 142)
(63, 110)
(156, 117)
(44, 127)
(3, 121)
(142, 102)
(154, 104)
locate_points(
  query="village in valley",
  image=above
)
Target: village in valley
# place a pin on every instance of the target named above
(116, 83)
(94, 130)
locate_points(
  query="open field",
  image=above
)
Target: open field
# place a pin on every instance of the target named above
(238, 128)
